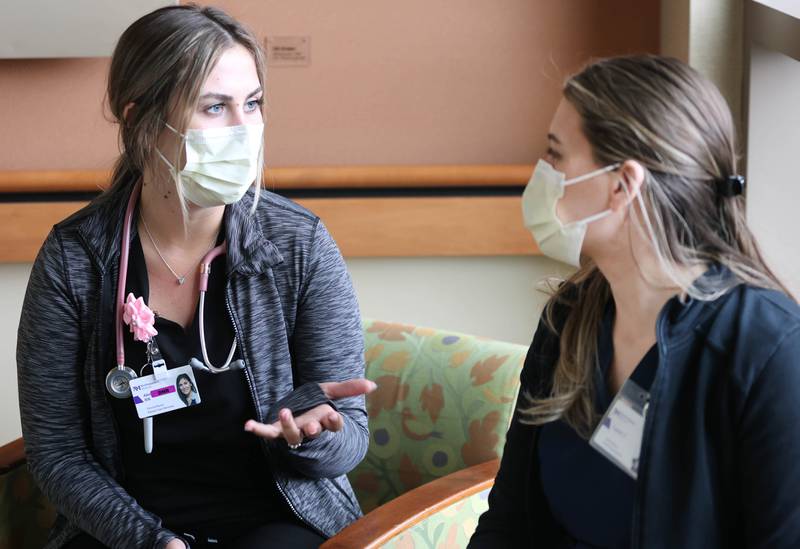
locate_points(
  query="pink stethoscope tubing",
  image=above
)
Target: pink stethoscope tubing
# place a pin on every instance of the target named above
(205, 271)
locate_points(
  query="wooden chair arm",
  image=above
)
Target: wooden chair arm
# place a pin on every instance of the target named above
(403, 512)
(12, 455)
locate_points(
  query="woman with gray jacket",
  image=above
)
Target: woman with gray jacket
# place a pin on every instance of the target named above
(113, 317)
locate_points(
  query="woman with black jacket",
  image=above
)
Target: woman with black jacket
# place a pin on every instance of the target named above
(659, 400)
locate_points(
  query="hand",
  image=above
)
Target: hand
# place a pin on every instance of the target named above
(313, 422)
(175, 543)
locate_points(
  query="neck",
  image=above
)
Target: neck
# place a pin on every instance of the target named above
(638, 286)
(161, 210)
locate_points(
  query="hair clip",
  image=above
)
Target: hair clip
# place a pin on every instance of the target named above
(733, 185)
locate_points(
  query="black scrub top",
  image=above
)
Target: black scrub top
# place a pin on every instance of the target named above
(589, 496)
(205, 474)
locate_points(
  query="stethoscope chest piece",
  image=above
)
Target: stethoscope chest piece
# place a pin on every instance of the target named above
(118, 381)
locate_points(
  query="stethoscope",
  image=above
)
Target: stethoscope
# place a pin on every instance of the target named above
(118, 379)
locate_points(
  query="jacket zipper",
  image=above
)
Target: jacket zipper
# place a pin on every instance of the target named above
(103, 354)
(250, 386)
(648, 425)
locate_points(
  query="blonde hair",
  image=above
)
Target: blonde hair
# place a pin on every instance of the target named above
(675, 123)
(159, 65)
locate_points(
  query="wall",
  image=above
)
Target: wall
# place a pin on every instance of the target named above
(774, 134)
(416, 82)
(13, 280)
(707, 34)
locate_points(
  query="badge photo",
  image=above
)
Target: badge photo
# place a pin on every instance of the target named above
(158, 395)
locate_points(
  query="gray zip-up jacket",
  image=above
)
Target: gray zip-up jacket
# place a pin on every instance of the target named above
(296, 321)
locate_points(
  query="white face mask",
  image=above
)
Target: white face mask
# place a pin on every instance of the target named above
(555, 240)
(221, 163)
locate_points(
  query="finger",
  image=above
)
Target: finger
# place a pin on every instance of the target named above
(262, 430)
(349, 388)
(290, 430)
(333, 422)
(312, 429)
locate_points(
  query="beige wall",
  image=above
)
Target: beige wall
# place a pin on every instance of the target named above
(414, 82)
(773, 167)
(707, 34)
(13, 280)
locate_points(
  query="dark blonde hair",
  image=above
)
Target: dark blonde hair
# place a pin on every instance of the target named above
(676, 124)
(159, 65)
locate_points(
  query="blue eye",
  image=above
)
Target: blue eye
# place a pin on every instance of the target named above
(253, 105)
(215, 109)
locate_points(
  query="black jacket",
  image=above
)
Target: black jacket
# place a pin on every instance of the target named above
(720, 458)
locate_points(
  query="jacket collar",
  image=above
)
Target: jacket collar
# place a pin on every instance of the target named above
(249, 250)
(685, 319)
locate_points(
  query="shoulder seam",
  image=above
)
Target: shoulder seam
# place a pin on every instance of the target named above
(65, 268)
(311, 250)
(763, 366)
(300, 210)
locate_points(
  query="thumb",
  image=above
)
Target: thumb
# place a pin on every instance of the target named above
(352, 387)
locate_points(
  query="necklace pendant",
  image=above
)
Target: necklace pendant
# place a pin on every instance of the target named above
(181, 280)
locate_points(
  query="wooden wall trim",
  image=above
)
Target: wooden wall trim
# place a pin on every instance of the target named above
(362, 227)
(313, 177)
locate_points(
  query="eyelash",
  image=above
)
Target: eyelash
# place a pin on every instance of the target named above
(259, 102)
(553, 154)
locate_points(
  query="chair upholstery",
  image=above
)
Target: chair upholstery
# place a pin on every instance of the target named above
(443, 403)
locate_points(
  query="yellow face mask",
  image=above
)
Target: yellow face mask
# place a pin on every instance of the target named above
(221, 163)
(544, 190)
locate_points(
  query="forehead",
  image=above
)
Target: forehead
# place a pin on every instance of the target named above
(235, 71)
(566, 125)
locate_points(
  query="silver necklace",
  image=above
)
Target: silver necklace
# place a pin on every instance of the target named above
(178, 278)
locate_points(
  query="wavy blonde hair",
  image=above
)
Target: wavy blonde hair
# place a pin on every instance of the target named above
(676, 124)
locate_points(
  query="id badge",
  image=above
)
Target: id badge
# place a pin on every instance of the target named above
(619, 434)
(166, 391)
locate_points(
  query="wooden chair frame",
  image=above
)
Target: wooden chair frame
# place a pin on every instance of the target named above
(400, 514)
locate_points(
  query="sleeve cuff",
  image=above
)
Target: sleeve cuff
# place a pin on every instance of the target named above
(163, 537)
(303, 398)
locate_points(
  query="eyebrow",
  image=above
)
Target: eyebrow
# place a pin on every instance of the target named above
(223, 97)
(553, 138)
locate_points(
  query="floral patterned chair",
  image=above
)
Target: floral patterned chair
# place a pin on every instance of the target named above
(437, 425)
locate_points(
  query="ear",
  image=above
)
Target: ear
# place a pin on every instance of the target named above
(127, 110)
(629, 179)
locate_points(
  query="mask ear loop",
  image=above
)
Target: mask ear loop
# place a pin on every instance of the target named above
(595, 173)
(592, 174)
(665, 265)
(174, 172)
